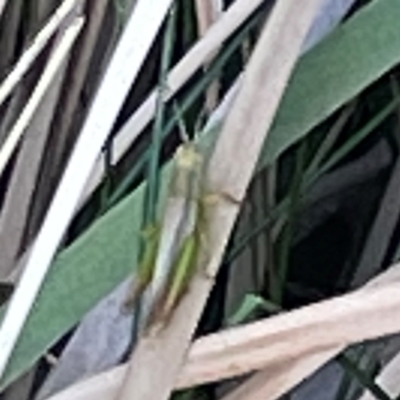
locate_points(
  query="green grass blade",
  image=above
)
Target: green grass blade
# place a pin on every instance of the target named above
(365, 381)
(277, 285)
(358, 137)
(330, 139)
(153, 170)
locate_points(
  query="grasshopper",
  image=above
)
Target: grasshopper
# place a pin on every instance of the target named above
(172, 248)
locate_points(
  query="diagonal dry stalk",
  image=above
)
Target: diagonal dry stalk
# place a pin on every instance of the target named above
(198, 56)
(18, 198)
(36, 47)
(3, 3)
(327, 325)
(41, 88)
(10, 20)
(70, 113)
(122, 71)
(96, 11)
(288, 347)
(273, 382)
(51, 71)
(207, 13)
(158, 357)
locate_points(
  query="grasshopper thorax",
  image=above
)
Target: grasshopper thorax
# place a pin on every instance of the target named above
(188, 156)
(187, 171)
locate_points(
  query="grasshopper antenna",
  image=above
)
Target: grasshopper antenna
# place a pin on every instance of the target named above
(199, 124)
(183, 133)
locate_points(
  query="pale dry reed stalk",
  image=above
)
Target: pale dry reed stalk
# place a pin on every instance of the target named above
(128, 58)
(288, 347)
(197, 57)
(8, 147)
(32, 52)
(157, 359)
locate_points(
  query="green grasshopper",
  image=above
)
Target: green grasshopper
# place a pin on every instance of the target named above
(172, 248)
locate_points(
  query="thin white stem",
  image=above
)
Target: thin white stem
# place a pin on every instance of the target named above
(208, 11)
(41, 88)
(125, 64)
(3, 3)
(23, 299)
(35, 48)
(179, 75)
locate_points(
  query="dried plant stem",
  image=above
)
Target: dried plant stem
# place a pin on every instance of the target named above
(327, 325)
(23, 181)
(70, 102)
(11, 22)
(3, 3)
(124, 66)
(179, 75)
(11, 325)
(158, 357)
(71, 111)
(274, 381)
(45, 81)
(208, 12)
(36, 47)
(288, 347)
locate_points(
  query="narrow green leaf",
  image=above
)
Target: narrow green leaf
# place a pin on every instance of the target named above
(363, 379)
(153, 167)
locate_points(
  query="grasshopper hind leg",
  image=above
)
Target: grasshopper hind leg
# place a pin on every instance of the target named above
(145, 269)
(178, 284)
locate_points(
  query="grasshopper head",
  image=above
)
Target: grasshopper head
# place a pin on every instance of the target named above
(188, 156)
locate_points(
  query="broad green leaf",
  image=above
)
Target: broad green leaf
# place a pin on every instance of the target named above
(352, 58)
(79, 278)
